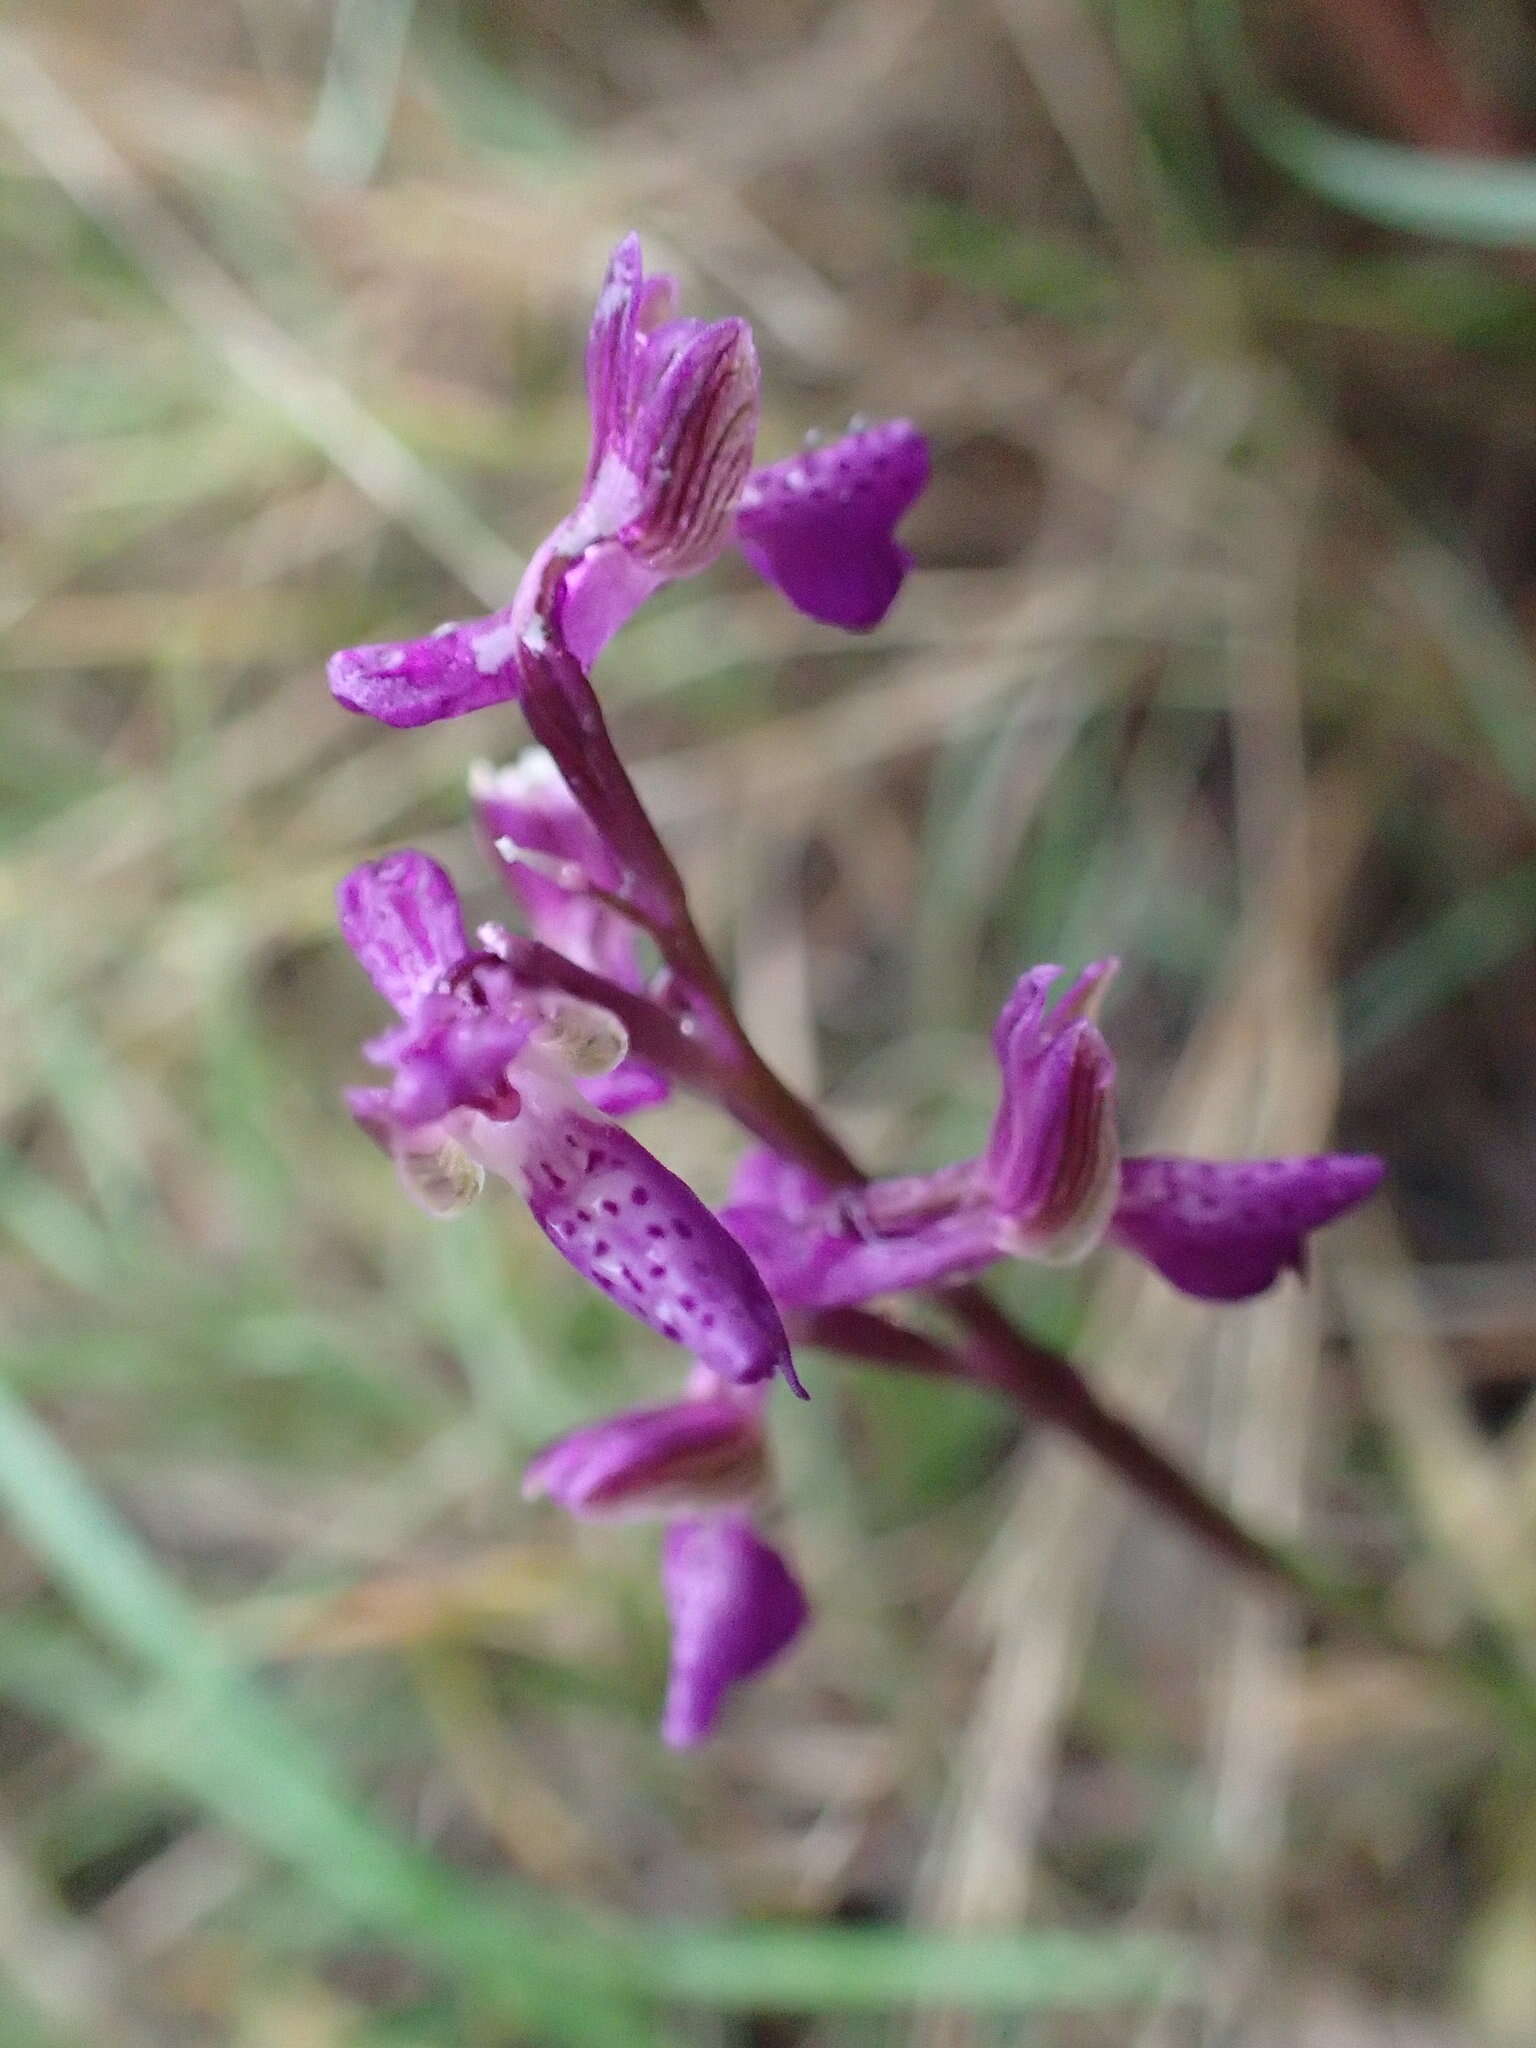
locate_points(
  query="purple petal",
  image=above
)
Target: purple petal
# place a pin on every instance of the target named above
(400, 915)
(821, 524)
(830, 1265)
(641, 1234)
(457, 669)
(603, 591)
(650, 1462)
(690, 443)
(529, 803)
(1052, 1162)
(451, 1056)
(611, 346)
(633, 1085)
(657, 304)
(734, 1605)
(373, 1113)
(1226, 1229)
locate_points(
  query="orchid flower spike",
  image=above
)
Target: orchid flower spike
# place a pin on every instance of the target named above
(485, 1079)
(674, 405)
(1050, 1186)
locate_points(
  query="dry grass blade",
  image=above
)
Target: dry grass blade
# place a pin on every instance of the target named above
(1466, 1493)
(72, 151)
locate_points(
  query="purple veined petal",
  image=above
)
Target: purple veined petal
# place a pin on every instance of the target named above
(691, 443)
(663, 344)
(1226, 1229)
(828, 1264)
(634, 1229)
(401, 918)
(821, 524)
(647, 1463)
(611, 345)
(529, 804)
(1053, 1157)
(734, 1606)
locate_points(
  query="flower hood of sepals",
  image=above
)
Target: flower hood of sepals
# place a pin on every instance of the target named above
(699, 1464)
(735, 1607)
(1044, 1189)
(1052, 1164)
(674, 406)
(695, 1456)
(622, 1219)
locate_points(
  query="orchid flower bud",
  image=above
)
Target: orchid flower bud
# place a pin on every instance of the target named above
(1053, 1161)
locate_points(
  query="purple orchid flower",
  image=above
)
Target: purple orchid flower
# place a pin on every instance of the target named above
(1051, 1185)
(563, 875)
(484, 1079)
(698, 1464)
(674, 406)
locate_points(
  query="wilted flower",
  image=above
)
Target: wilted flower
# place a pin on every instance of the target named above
(484, 1082)
(674, 406)
(1050, 1186)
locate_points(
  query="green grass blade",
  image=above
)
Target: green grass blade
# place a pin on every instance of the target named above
(1481, 200)
(206, 1730)
(801, 1969)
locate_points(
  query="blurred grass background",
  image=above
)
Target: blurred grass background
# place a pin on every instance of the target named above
(311, 1733)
